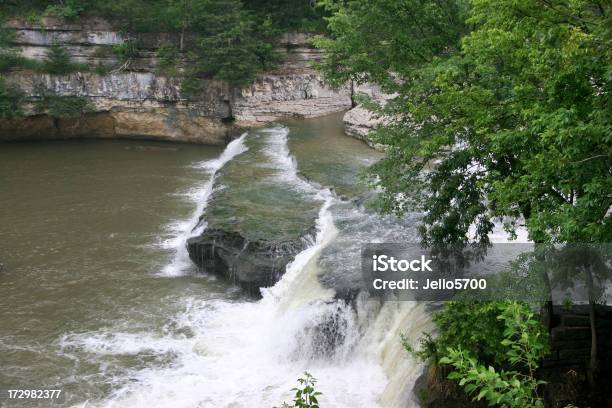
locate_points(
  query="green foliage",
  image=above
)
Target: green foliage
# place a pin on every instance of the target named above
(102, 51)
(11, 100)
(127, 50)
(231, 40)
(11, 59)
(494, 349)
(190, 87)
(63, 106)
(498, 387)
(506, 104)
(67, 9)
(232, 47)
(102, 69)
(301, 15)
(525, 343)
(168, 58)
(8, 58)
(379, 41)
(58, 61)
(6, 35)
(524, 336)
(305, 393)
(470, 326)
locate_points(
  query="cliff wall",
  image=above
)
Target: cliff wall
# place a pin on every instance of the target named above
(139, 101)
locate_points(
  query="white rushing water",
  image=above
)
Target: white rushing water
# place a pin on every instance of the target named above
(200, 195)
(248, 354)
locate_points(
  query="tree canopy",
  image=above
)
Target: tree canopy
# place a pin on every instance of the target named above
(501, 109)
(230, 40)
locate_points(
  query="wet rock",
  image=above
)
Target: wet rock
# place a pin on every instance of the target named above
(139, 101)
(247, 263)
(328, 336)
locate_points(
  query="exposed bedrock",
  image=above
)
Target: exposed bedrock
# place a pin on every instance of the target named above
(249, 264)
(257, 219)
(157, 124)
(140, 101)
(359, 121)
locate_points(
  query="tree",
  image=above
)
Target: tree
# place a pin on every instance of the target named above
(11, 100)
(180, 15)
(57, 60)
(502, 111)
(301, 15)
(231, 45)
(511, 118)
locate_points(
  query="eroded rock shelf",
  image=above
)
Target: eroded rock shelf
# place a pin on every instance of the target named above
(140, 102)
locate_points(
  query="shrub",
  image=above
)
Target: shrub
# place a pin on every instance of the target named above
(305, 393)
(525, 344)
(11, 100)
(102, 51)
(493, 348)
(58, 61)
(190, 86)
(67, 9)
(63, 106)
(102, 69)
(168, 57)
(127, 50)
(466, 325)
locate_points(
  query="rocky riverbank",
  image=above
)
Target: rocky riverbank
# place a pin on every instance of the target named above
(359, 121)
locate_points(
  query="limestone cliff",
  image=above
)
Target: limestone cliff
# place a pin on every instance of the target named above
(359, 122)
(137, 101)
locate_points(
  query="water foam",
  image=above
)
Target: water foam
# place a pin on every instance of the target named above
(277, 149)
(249, 354)
(182, 230)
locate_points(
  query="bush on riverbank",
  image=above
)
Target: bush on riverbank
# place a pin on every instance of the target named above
(11, 100)
(492, 349)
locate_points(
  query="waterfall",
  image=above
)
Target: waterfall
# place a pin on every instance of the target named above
(200, 195)
(237, 352)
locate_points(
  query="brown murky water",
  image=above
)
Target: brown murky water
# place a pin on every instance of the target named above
(86, 229)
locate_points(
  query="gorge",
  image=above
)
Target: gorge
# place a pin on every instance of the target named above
(193, 192)
(256, 280)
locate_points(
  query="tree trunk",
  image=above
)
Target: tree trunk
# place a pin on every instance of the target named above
(593, 363)
(546, 317)
(546, 310)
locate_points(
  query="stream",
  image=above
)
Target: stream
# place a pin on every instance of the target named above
(98, 296)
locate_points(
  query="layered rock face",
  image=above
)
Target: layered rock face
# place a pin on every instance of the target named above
(294, 89)
(137, 101)
(359, 122)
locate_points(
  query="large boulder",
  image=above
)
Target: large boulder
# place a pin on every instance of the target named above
(251, 264)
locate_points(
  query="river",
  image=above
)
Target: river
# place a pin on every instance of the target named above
(99, 298)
